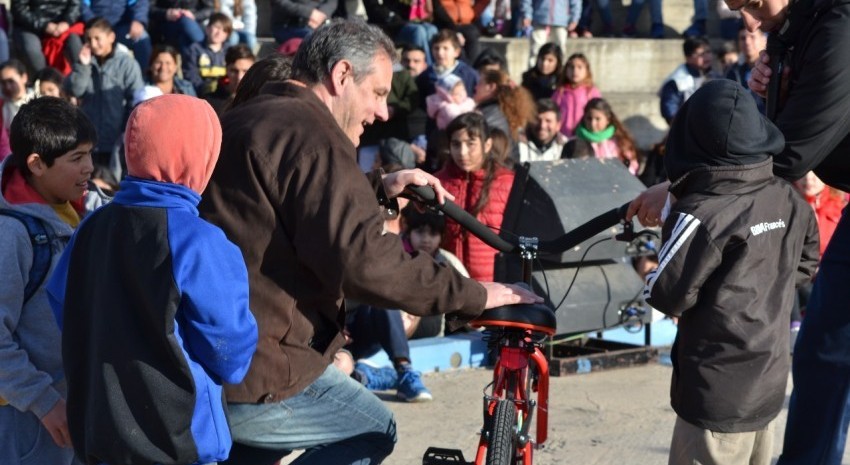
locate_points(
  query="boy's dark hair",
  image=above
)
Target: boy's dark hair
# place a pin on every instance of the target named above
(446, 35)
(49, 74)
(50, 127)
(411, 48)
(488, 56)
(222, 19)
(415, 219)
(15, 64)
(99, 23)
(546, 104)
(691, 45)
(238, 52)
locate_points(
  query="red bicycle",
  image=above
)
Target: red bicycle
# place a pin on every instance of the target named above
(516, 334)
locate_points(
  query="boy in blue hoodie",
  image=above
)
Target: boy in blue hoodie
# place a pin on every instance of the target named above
(43, 182)
(153, 302)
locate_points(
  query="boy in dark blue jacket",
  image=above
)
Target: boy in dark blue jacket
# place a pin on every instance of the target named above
(153, 302)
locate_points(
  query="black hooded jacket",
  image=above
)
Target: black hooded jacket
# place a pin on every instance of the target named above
(737, 241)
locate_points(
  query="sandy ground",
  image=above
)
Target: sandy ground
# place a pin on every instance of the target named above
(613, 417)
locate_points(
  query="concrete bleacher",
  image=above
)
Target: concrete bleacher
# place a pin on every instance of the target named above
(628, 72)
(468, 350)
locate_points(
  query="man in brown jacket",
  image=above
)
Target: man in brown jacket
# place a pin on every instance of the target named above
(288, 191)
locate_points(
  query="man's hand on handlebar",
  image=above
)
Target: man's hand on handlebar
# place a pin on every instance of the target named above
(394, 183)
(648, 205)
(499, 294)
(761, 73)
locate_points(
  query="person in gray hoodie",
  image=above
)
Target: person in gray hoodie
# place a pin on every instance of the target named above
(105, 79)
(45, 180)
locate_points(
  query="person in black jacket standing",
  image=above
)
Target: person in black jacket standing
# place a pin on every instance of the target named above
(734, 245)
(812, 115)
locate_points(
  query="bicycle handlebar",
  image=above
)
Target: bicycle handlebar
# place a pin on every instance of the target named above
(567, 241)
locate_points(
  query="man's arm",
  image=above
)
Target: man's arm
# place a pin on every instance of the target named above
(815, 117)
(687, 258)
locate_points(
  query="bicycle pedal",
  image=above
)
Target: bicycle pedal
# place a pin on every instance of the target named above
(439, 456)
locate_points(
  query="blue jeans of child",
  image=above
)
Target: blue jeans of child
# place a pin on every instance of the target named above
(25, 441)
(819, 413)
(335, 419)
(373, 329)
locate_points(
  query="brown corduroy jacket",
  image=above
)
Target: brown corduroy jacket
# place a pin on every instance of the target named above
(288, 191)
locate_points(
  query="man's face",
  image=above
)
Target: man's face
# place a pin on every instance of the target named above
(362, 103)
(760, 15)
(751, 43)
(14, 84)
(547, 126)
(236, 71)
(414, 62)
(100, 41)
(700, 58)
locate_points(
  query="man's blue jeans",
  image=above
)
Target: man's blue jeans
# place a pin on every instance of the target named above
(818, 415)
(335, 419)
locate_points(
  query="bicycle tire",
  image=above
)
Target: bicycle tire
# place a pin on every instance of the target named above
(501, 449)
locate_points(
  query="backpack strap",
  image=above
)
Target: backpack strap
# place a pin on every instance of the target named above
(41, 255)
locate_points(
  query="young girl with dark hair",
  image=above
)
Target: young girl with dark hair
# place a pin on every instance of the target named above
(542, 79)
(481, 186)
(575, 92)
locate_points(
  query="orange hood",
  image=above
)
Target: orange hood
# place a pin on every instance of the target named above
(173, 138)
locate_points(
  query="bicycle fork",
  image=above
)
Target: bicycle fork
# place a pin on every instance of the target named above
(511, 382)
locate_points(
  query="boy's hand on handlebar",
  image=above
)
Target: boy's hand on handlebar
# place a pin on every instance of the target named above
(499, 294)
(648, 205)
(394, 183)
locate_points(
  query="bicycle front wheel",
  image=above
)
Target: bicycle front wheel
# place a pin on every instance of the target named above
(501, 449)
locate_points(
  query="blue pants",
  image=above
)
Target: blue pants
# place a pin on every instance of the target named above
(373, 329)
(818, 414)
(637, 6)
(335, 419)
(182, 33)
(25, 441)
(142, 47)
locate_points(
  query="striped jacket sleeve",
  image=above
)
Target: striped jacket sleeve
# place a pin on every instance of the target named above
(687, 258)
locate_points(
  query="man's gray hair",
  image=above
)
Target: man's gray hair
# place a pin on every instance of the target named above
(350, 39)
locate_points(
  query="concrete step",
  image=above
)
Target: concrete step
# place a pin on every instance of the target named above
(470, 351)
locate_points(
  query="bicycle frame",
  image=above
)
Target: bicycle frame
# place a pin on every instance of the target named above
(521, 368)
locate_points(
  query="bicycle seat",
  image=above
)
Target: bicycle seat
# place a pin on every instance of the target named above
(536, 317)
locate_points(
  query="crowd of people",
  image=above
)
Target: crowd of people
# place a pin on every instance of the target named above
(334, 266)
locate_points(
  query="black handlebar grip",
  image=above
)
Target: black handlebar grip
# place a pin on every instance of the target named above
(467, 221)
(565, 242)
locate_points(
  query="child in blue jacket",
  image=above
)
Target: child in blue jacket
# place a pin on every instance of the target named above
(153, 302)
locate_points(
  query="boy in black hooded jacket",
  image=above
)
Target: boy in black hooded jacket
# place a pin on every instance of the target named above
(734, 245)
